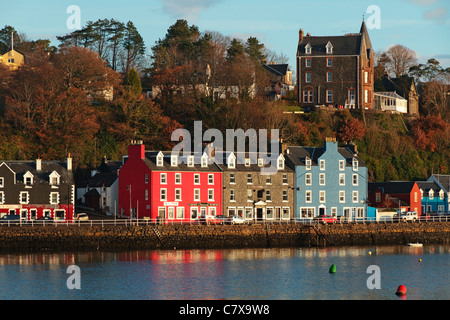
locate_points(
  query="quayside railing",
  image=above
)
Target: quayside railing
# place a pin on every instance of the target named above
(154, 222)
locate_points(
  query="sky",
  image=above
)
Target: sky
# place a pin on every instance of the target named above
(421, 25)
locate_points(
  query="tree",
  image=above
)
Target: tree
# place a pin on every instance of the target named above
(351, 129)
(255, 50)
(401, 59)
(235, 49)
(134, 46)
(133, 83)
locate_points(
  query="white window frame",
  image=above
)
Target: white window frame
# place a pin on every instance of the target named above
(177, 194)
(322, 180)
(159, 161)
(163, 178)
(308, 163)
(341, 165)
(322, 196)
(308, 179)
(196, 194)
(163, 194)
(308, 196)
(322, 164)
(210, 179)
(177, 178)
(51, 197)
(329, 77)
(355, 179)
(342, 179)
(2, 197)
(174, 161)
(210, 194)
(355, 196)
(341, 196)
(308, 77)
(179, 213)
(2, 182)
(232, 195)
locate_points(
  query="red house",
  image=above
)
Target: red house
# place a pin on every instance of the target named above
(170, 188)
(402, 195)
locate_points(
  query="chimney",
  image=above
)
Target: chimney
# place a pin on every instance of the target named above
(38, 164)
(136, 150)
(300, 36)
(69, 163)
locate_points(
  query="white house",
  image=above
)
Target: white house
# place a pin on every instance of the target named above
(390, 101)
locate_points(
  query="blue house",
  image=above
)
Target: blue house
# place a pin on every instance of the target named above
(443, 181)
(330, 180)
(434, 197)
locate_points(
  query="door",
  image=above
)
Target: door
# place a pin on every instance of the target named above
(259, 214)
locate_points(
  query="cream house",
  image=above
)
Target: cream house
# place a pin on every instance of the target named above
(12, 59)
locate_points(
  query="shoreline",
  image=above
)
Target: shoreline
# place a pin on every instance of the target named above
(119, 238)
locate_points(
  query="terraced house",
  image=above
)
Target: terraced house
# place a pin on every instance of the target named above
(330, 180)
(37, 189)
(256, 188)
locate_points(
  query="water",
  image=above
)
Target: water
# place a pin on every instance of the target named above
(247, 274)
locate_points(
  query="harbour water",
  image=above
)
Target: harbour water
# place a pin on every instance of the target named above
(238, 274)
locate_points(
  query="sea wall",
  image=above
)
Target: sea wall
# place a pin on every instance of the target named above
(82, 238)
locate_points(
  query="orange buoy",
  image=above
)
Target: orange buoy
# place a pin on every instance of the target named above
(401, 291)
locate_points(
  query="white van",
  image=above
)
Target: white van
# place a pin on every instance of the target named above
(409, 216)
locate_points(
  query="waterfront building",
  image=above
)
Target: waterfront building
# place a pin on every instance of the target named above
(167, 187)
(37, 189)
(256, 188)
(336, 70)
(100, 192)
(434, 198)
(329, 180)
(396, 195)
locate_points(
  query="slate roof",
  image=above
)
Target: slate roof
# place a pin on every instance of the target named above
(298, 155)
(392, 187)
(277, 69)
(342, 45)
(42, 176)
(426, 186)
(222, 157)
(150, 161)
(401, 85)
(444, 180)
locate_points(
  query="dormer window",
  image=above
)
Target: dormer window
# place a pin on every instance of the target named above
(190, 161)
(431, 195)
(231, 161)
(174, 160)
(260, 162)
(28, 179)
(54, 179)
(308, 49)
(280, 163)
(247, 162)
(441, 194)
(2, 182)
(205, 161)
(329, 47)
(308, 163)
(159, 160)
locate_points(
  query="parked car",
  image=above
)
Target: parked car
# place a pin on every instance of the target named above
(222, 219)
(82, 217)
(10, 218)
(45, 218)
(325, 219)
(209, 219)
(407, 216)
(237, 220)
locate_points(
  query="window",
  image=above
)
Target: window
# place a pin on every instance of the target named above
(342, 196)
(232, 178)
(180, 212)
(268, 195)
(355, 179)
(231, 162)
(329, 96)
(366, 77)
(307, 96)
(23, 197)
(2, 182)
(196, 194)
(190, 160)
(431, 195)
(54, 198)
(268, 179)
(342, 179)
(159, 160)
(204, 161)
(307, 77)
(355, 196)
(286, 212)
(329, 76)
(269, 213)
(355, 164)
(322, 196)
(249, 195)
(177, 194)
(307, 212)
(308, 49)
(308, 196)
(232, 195)
(33, 214)
(341, 165)
(146, 195)
(415, 196)
(54, 178)
(308, 180)
(210, 194)
(260, 162)
(329, 62)
(333, 211)
(248, 213)
(247, 162)
(2, 197)
(212, 211)
(308, 163)
(249, 178)
(28, 179)
(441, 194)
(210, 179)
(163, 178)
(322, 179)
(163, 194)
(194, 212)
(329, 47)
(177, 178)
(322, 164)
(285, 195)
(285, 178)
(146, 178)
(174, 161)
(196, 179)
(280, 163)
(366, 96)
(308, 63)
(171, 213)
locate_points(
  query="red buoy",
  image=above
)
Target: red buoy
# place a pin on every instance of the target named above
(401, 290)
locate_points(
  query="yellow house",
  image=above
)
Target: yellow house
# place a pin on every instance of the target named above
(12, 59)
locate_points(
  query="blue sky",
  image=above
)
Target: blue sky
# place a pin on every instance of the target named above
(422, 25)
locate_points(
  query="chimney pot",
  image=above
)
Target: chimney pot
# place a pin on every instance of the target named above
(38, 164)
(300, 37)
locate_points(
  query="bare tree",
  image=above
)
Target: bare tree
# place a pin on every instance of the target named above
(401, 59)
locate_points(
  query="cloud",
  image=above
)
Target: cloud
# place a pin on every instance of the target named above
(187, 9)
(438, 14)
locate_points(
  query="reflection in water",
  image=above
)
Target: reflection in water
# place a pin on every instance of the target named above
(286, 273)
